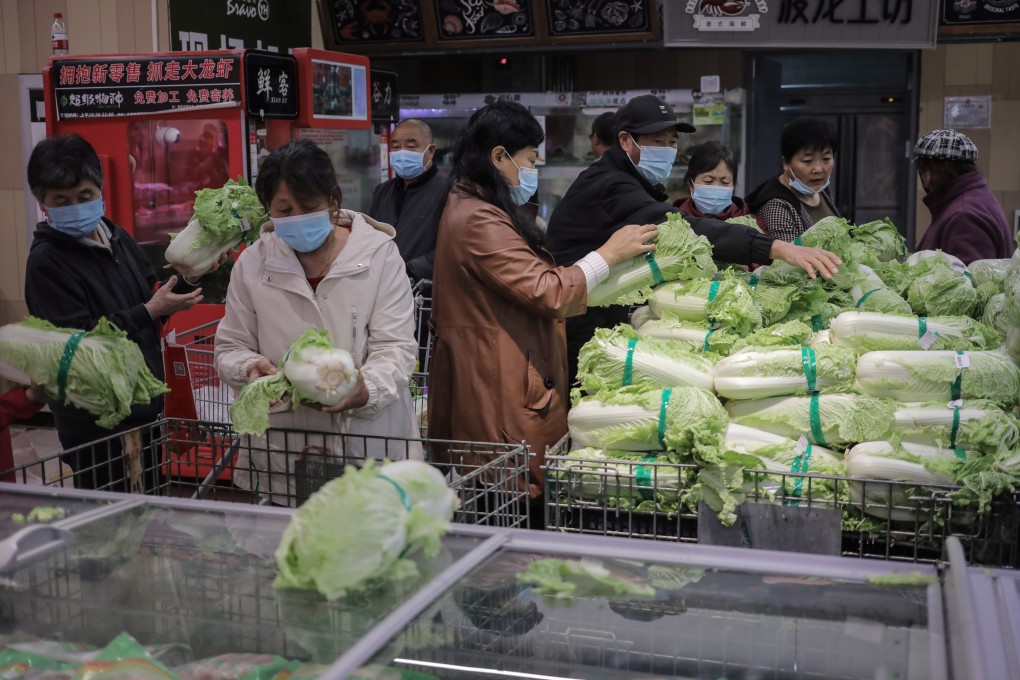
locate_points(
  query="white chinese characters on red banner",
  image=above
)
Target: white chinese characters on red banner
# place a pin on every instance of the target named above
(94, 88)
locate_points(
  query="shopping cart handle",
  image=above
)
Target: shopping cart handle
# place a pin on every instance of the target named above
(32, 543)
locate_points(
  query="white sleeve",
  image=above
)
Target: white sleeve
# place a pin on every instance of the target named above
(595, 269)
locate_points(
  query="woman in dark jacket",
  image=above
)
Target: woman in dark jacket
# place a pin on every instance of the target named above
(797, 199)
(710, 179)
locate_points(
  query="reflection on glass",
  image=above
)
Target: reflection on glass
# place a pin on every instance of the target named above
(170, 161)
(199, 578)
(879, 172)
(356, 159)
(674, 622)
(19, 510)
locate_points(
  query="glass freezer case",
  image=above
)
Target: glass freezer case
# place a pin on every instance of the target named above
(567, 119)
(494, 603)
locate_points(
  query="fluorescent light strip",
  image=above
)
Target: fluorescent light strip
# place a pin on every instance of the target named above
(487, 671)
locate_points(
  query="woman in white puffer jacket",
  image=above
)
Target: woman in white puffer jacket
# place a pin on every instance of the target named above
(316, 264)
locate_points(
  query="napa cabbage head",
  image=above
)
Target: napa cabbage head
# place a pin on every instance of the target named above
(383, 519)
(728, 303)
(223, 218)
(941, 291)
(679, 254)
(616, 357)
(878, 241)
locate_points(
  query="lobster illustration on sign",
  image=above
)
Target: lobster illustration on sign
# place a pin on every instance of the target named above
(721, 8)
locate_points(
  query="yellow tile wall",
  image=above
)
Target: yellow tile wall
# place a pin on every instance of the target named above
(973, 70)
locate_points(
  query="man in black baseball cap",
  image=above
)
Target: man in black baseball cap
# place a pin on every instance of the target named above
(624, 187)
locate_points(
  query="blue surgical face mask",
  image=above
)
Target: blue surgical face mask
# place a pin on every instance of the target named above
(712, 199)
(656, 163)
(407, 164)
(77, 220)
(528, 178)
(304, 233)
(804, 189)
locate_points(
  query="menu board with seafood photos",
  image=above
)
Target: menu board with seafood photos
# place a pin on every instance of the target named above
(375, 21)
(484, 19)
(583, 17)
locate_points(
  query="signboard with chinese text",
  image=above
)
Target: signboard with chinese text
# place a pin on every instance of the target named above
(968, 112)
(272, 25)
(133, 86)
(823, 24)
(270, 85)
(385, 97)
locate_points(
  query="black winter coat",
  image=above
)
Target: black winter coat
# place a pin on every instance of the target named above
(611, 194)
(414, 211)
(71, 284)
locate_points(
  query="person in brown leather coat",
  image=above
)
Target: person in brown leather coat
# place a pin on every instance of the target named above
(499, 365)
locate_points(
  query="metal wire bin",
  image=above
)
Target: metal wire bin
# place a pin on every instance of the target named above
(884, 520)
(284, 467)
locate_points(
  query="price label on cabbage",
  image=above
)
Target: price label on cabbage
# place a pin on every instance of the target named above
(927, 340)
(958, 266)
(962, 360)
(801, 446)
(245, 224)
(954, 404)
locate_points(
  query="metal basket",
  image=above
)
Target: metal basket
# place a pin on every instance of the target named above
(884, 520)
(284, 467)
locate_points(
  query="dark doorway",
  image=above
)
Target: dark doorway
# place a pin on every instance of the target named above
(871, 101)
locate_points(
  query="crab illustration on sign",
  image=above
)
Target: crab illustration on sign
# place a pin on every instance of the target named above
(726, 15)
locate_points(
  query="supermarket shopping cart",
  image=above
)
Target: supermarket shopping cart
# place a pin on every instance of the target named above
(285, 467)
(884, 520)
(196, 393)
(422, 292)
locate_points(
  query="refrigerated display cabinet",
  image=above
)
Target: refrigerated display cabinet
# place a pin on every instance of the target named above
(567, 119)
(198, 575)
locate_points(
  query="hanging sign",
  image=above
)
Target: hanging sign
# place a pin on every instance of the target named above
(385, 99)
(823, 24)
(132, 86)
(270, 83)
(969, 12)
(273, 25)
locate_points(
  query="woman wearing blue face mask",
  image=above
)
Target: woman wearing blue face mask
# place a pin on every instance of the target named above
(711, 176)
(318, 265)
(499, 368)
(798, 198)
(82, 267)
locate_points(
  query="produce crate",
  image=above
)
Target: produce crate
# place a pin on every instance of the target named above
(884, 520)
(285, 467)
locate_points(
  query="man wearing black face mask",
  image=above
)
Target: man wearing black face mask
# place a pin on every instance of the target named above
(625, 187)
(81, 266)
